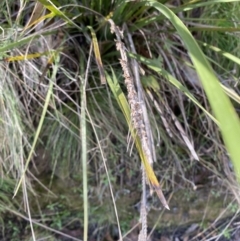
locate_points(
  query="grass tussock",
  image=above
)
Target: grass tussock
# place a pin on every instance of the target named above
(91, 90)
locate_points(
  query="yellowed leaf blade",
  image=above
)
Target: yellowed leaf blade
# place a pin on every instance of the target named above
(37, 12)
(122, 101)
(42, 18)
(27, 56)
(154, 183)
(98, 56)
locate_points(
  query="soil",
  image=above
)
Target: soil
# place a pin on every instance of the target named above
(203, 214)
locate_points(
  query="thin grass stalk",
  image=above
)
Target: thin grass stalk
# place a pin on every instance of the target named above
(28, 207)
(40, 125)
(83, 134)
(107, 173)
(143, 212)
(22, 179)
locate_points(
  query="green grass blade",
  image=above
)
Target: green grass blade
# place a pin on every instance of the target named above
(57, 12)
(154, 64)
(228, 120)
(40, 125)
(119, 96)
(223, 53)
(191, 5)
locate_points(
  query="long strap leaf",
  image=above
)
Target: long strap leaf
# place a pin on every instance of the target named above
(226, 116)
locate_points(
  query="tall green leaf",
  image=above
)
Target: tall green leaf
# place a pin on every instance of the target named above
(222, 108)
